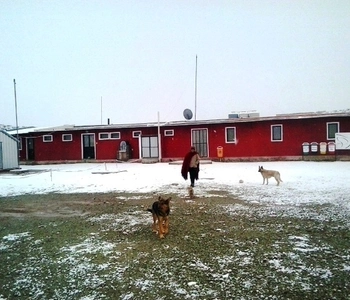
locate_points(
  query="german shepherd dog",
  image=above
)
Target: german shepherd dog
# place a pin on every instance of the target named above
(266, 174)
(160, 211)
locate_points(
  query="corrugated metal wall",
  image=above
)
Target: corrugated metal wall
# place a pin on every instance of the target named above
(9, 152)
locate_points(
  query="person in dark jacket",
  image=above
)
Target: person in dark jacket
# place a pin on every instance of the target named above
(190, 165)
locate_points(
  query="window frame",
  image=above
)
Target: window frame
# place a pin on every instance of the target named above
(273, 139)
(328, 131)
(115, 138)
(168, 132)
(136, 133)
(103, 138)
(235, 135)
(67, 135)
(50, 136)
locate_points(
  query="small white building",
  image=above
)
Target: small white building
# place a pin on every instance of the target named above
(8, 151)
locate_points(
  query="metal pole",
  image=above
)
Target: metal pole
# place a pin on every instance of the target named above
(14, 86)
(159, 141)
(101, 110)
(195, 94)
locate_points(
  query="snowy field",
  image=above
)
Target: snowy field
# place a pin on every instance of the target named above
(293, 258)
(303, 182)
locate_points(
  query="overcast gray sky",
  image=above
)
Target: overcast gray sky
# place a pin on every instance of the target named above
(140, 58)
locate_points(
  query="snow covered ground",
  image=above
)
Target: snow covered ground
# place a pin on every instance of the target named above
(303, 182)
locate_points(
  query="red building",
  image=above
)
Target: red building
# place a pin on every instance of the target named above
(251, 138)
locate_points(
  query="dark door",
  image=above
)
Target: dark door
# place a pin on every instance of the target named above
(30, 149)
(89, 146)
(200, 141)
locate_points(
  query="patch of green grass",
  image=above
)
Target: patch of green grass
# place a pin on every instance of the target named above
(100, 246)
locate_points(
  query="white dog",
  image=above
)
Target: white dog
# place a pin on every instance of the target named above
(266, 174)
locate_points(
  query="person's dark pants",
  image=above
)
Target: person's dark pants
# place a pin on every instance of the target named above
(193, 175)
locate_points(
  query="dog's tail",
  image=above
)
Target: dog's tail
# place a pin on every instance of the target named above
(149, 209)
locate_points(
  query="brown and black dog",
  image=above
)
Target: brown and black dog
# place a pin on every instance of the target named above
(160, 211)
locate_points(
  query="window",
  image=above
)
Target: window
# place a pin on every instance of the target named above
(103, 136)
(115, 135)
(169, 132)
(136, 134)
(47, 138)
(276, 133)
(109, 135)
(67, 137)
(332, 129)
(230, 134)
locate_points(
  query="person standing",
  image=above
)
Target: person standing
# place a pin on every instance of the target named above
(190, 165)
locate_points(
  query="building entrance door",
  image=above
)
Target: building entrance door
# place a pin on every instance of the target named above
(200, 141)
(88, 140)
(149, 147)
(30, 149)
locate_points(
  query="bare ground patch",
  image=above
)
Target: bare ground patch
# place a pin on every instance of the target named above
(100, 246)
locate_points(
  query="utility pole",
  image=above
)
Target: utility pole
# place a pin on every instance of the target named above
(101, 110)
(159, 140)
(14, 86)
(195, 94)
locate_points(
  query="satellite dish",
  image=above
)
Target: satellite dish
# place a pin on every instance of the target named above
(188, 114)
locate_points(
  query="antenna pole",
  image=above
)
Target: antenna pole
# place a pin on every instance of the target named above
(159, 140)
(14, 87)
(101, 110)
(195, 93)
